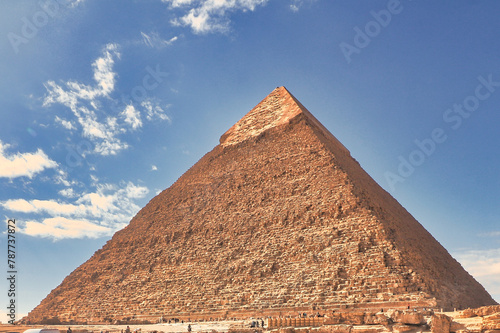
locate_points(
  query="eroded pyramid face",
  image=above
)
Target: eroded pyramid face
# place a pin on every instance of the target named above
(278, 218)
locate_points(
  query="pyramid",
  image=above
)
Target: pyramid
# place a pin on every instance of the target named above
(277, 218)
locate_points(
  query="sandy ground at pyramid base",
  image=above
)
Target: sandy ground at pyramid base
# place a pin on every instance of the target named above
(219, 326)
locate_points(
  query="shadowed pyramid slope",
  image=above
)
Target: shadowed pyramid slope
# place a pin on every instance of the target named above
(278, 218)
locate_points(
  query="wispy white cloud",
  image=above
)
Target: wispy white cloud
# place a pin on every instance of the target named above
(23, 164)
(83, 100)
(68, 192)
(62, 227)
(91, 214)
(154, 40)
(62, 178)
(94, 180)
(74, 3)
(103, 76)
(179, 3)
(132, 117)
(490, 234)
(154, 111)
(39, 206)
(295, 5)
(484, 265)
(86, 102)
(135, 192)
(65, 123)
(205, 16)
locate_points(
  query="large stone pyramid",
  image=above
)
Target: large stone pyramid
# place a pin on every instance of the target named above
(278, 218)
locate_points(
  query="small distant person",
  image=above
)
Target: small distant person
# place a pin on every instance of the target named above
(262, 323)
(69, 330)
(189, 327)
(127, 330)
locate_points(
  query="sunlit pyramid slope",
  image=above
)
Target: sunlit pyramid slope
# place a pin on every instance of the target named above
(277, 218)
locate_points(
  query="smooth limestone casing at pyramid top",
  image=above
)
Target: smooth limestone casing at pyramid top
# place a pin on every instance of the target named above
(277, 218)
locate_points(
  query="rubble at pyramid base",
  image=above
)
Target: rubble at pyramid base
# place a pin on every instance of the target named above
(413, 320)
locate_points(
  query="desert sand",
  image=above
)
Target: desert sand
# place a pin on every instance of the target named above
(219, 326)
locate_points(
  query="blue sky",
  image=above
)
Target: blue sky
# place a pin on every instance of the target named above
(106, 103)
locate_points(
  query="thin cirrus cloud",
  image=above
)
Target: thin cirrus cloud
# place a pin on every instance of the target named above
(23, 164)
(154, 40)
(490, 234)
(94, 214)
(155, 111)
(484, 265)
(85, 102)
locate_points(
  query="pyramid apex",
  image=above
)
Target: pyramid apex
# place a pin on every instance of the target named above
(278, 108)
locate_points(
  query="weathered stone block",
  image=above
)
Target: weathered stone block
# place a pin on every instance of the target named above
(456, 327)
(440, 323)
(333, 329)
(408, 317)
(369, 329)
(399, 328)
